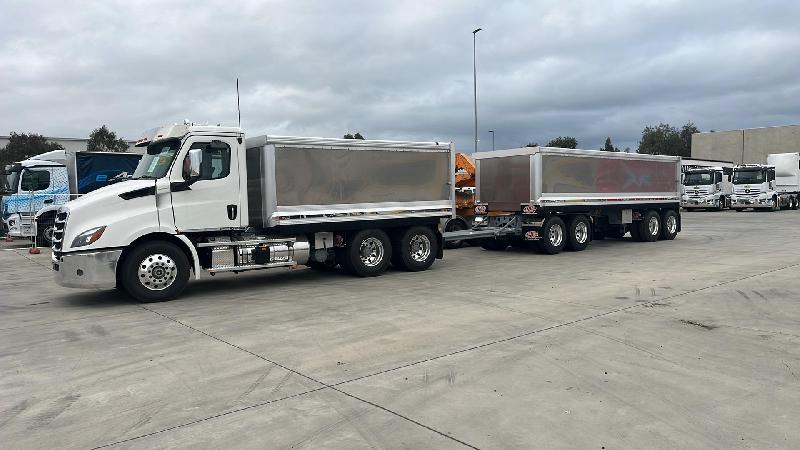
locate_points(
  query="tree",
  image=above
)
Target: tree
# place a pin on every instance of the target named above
(104, 140)
(686, 136)
(532, 144)
(662, 139)
(563, 142)
(609, 147)
(22, 146)
(354, 136)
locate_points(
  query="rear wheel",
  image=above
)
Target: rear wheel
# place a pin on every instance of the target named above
(416, 250)
(155, 271)
(455, 225)
(795, 203)
(650, 227)
(367, 254)
(578, 232)
(553, 236)
(669, 225)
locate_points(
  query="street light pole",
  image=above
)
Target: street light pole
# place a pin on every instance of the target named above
(492, 131)
(475, 85)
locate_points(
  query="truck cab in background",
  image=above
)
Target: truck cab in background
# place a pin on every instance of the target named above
(35, 188)
(707, 188)
(771, 186)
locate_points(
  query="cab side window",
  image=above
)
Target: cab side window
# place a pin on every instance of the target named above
(35, 180)
(771, 175)
(216, 159)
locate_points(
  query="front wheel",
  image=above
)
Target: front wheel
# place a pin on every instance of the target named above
(416, 250)
(155, 271)
(45, 227)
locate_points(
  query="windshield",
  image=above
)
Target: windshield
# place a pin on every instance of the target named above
(11, 181)
(748, 176)
(698, 178)
(158, 159)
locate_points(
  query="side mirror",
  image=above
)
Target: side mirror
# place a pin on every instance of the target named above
(195, 161)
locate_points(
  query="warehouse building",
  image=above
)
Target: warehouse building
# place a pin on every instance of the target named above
(748, 146)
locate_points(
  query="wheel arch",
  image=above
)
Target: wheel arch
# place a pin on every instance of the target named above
(181, 241)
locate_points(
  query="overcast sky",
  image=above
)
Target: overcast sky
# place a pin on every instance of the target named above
(401, 70)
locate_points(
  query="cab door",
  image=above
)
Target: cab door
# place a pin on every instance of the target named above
(210, 201)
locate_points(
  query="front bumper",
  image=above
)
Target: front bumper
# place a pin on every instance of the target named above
(751, 203)
(89, 270)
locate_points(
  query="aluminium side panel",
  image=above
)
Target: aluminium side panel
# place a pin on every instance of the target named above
(504, 181)
(316, 180)
(585, 177)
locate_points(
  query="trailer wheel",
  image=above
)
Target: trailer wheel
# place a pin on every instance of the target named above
(669, 225)
(578, 232)
(650, 227)
(416, 250)
(456, 224)
(155, 271)
(553, 236)
(794, 203)
(494, 245)
(367, 254)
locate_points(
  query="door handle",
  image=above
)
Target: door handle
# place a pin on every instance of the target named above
(232, 212)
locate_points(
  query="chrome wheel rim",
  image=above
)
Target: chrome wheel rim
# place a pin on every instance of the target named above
(556, 235)
(157, 272)
(672, 224)
(581, 232)
(652, 225)
(371, 251)
(420, 248)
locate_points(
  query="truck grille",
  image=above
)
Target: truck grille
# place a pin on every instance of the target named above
(742, 192)
(58, 233)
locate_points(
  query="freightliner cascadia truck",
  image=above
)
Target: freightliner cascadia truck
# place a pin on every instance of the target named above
(554, 198)
(204, 200)
(771, 186)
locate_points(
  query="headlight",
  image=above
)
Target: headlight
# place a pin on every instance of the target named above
(88, 237)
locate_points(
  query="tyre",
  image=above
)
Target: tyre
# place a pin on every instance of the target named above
(720, 204)
(494, 245)
(737, 209)
(367, 254)
(416, 250)
(455, 225)
(553, 236)
(578, 232)
(155, 271)
(795, 202)
(45, 227)
(669, 225)
(775, 205)
(650, 227)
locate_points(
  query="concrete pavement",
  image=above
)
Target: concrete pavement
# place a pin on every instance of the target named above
(690, 343)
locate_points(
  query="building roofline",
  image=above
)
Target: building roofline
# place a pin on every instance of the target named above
(748, 129)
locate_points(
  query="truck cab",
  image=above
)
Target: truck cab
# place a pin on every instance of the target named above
(754, 187)
(706, 187)
(30, 186)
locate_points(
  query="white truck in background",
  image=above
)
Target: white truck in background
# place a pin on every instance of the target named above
(35, 188)
(771, 186)
(204, 200)
(707, 188)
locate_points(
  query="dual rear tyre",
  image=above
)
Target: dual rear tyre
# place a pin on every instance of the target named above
(654, 226)
(369, 252)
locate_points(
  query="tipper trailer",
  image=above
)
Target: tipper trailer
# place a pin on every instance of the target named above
(771, 186)
(554, 198)
(205, 200)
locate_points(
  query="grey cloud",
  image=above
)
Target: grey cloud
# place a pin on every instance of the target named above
(401, 69)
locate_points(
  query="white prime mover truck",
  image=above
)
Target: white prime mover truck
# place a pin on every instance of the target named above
(205, 200)
(771, 186)
(555, 198)
(707, 188)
